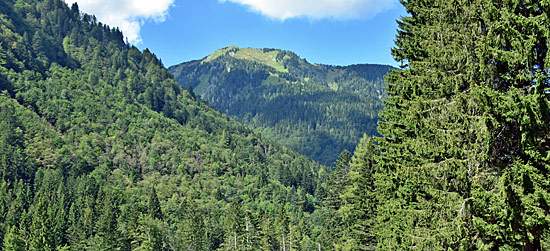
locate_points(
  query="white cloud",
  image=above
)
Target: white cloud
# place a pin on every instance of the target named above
(317, 9)
(128, 15)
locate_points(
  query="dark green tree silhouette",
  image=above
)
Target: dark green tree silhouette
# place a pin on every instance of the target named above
(465, 132)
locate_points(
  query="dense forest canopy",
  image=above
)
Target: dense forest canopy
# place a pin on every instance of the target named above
(100, 148)
(316, 110)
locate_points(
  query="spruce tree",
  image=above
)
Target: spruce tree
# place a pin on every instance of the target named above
(339, 179)
(283, 227)
(464, 154)
(358, 199)
(267, 232)
(234, 226)
(153, 205)
(12, 240)
(192, 225)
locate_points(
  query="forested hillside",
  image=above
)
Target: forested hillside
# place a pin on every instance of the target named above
(101, 149)
(316, 110)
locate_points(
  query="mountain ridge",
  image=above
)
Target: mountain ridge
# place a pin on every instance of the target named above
(317, 110)
(275, 58)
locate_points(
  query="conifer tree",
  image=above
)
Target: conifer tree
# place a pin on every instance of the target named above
(358, 199)
(192, 225)
(153, 205)
(12, 240)
(283, 227)
(267, 240)
(106, 225)
(41, 235)
(466, 132)
(235, 226)
(3, 57)
(339, 179)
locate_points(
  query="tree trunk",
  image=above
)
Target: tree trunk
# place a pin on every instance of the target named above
(290, 241)
(532, 246)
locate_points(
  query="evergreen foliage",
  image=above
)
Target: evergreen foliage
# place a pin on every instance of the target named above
(464, 153)
(358, 199)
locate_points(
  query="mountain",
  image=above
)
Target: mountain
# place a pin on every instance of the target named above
(316, 110)
(101, 149)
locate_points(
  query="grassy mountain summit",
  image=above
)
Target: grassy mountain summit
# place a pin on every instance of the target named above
(317, 110)
(267, 57)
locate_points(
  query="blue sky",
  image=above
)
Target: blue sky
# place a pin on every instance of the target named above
(335, 32)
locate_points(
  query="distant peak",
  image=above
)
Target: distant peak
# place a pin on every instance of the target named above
(266, 56)
(221, 52)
